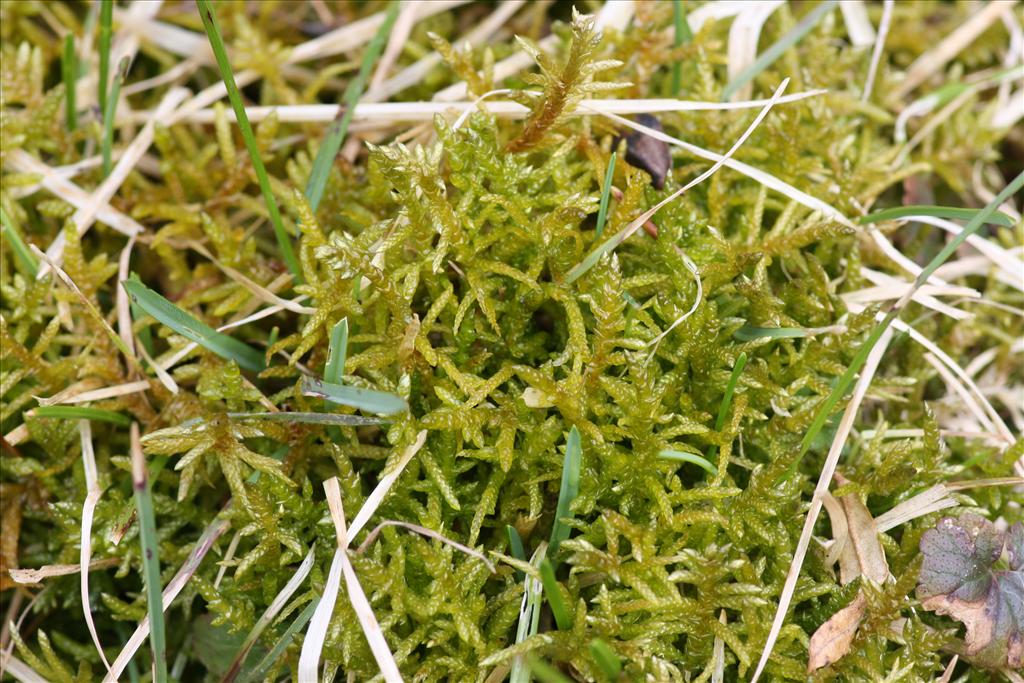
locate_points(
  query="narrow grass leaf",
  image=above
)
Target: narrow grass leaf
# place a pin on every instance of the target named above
(948, 212)
(21, 251)
(336, 133)
(730, 389)
(106, 18)
(554, 596)
(545, 673)
(515, 544)
(260, 671)
(69, 74)
(606, 192)
(221, 54)
(150, 556)
(567, 492)
(681, 36)
(768, 57)
(337, 352)
(379, 402)
(82, 413)
(187, 326)
(107, 143)
(692, 458)
(606, 659)
(311, 418)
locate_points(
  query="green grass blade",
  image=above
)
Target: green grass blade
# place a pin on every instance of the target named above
(568, 490)
(337, 130)
(69, 74)
(260, 671)
(21, 251)
(312, 418)
(606, 659)
(952, 213)
(554, 596)
(107, 144)
(846, 379)
(221, 54)
(515, 543)
(379, 402)
(682, 36)
(768, 57)
(692, 458)
(545, 673)
(187, 326)
(106, 18)
(82, 413)
(606, 192)
(750, 333)
(730, 389)
(336, 353)
(150, 558)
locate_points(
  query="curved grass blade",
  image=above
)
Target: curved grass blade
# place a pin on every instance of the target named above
(692, 458)
(554, 596)
(606, 191)
(18, 246)
(568, 490)
(150, 557)
(260, 671)
(336, 133)
(606, 658)
(187, 326)
(312, 418)
(69, 74)
(337, 352)
(82, 413)
(379, 402)
(948, 212)
(768, 57)
(220, 53)
(545, 673)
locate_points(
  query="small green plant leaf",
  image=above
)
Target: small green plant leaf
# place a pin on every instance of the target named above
(106, 19)
(107, 144)
(545, 673)
(567, 493)
(554, 596)
(692, 458)
(959, 578)
(259, 672)
(187, 326)
(150, 557)
(681, 36)
(952, 213)
(379, 402)
(606, 659)
(82, 413)
(69, 74)
(21, 251)
(337, 352)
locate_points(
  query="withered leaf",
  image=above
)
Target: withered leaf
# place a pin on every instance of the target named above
(832, 640)
(647, 153)
(958, 578)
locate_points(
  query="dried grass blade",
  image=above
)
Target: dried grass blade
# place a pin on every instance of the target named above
(375, 498)
(429, 533)
(876, 52)
(259, 672)
(92, 497)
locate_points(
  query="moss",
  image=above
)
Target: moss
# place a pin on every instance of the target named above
(449, 258)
